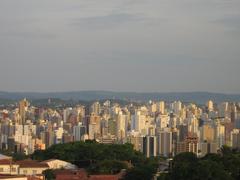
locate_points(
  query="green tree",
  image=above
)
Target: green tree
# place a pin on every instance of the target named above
(211, 170)
(143, 171)
(108, 167)
(184, 166)
(49, 174)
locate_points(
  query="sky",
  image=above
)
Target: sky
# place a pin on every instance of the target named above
(120, 45)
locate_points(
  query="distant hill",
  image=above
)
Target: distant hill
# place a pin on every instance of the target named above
(197, 97)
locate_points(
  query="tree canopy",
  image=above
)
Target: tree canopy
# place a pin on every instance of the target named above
(102, 158)
(222, 166)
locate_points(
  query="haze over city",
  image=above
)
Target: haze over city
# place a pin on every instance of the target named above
(120, 45)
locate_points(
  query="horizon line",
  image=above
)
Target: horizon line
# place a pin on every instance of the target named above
(114, 91)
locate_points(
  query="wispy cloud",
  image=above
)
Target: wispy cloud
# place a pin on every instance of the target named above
(28, 34)
(232, 22)
(106, 21)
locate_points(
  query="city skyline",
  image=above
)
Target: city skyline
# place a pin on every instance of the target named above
(127, 45)
(120, 89)
(116, 91)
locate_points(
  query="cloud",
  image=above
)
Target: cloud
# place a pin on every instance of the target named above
(26, 28)
(28, 35)
(115, 43)
(106, 21)
(232, 22)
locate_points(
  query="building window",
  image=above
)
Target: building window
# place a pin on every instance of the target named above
(14, 169)
(34, 171)
(1, 169)
(24, 171)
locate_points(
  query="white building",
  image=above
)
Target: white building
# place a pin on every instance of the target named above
(59, 164)
(235, 138)
(121, 125)
(138, 121)
(78, 132)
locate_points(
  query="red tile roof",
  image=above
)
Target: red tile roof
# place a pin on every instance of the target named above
(103, 177)
(6, 162)
(31, 164)
(7, 176)
(81, 174)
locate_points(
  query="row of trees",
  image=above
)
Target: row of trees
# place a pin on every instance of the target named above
(222, 166)
(102, 159)
(14, 155)
(110, 159)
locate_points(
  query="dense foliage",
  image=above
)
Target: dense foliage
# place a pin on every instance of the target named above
(222, 166)
(102, 159)
(107, 167)
(90, 151)
(110, 159)
(14, 155)
(143, 171)
(49, 174)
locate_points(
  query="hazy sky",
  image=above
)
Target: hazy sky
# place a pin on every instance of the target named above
(120, 45)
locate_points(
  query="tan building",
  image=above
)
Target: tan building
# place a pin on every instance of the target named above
(137, 142)
(7, 166)
(235, 138)
(12, 177)
(30, 167)
(209, 105)
(25, 167)
(206, 148)
(207, 133)
(23, 104)
(190, 144)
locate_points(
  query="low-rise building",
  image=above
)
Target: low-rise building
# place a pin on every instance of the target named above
(30, 167)
(7, 166)
(25, 167)
(59, 164)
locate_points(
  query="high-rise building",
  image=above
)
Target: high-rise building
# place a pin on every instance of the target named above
(96, 108)
(223, 109)
(121, 125)
(176, 106)
(207, 133)
(183, 132)
(190, 144)
(112, 126)
(165, 143)
(66, 114)
(150, 146)
(209, 105)
(153, 108)
(206, 148)
(93, 119)
(233, 113)
(235, 138)
(138, 121)
(48, 138)
(193, 126)
(78, 132)
(23, 105)
(136, 141)
(80, 113)
(161, 107)
(219, 134)
(162, 121)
